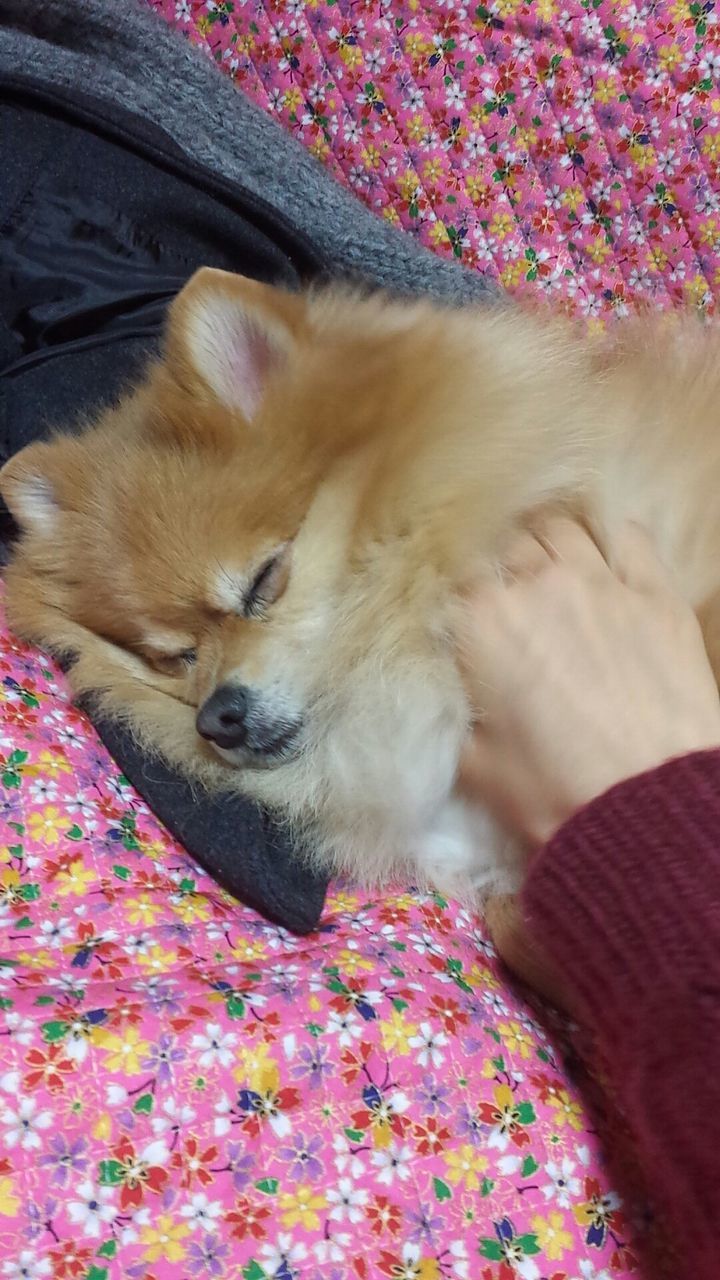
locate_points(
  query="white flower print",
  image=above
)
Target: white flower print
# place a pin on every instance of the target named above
(393, 1162)
(214, 1046)
(25, 1125)
(347, 1201)
(93, 1209)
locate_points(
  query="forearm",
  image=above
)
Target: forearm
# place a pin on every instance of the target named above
(625, 901)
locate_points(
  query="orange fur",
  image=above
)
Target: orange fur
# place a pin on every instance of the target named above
(393, 448)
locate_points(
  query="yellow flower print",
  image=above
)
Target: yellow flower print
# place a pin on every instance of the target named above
(505, 8)
(657, 259)
(567, 1111)
(351, 55)
(246, 948)
(143, 909)
(157, 960)
(680, 12)
(417, 45)
(573, 198)
(319, 147)
(545, 10)
(163, 1239)
(47, 826)
(38, 959)
(697, 291)
(416, 127)
(438, 233)
(643, 154)
(477, 188)
(605, 89)
(194, 907)
(501, 225)
(527, 137)
(709, 233)
(395, 1033)
(391, 215)
(292, 99)
(256, 1070)
(670, 56)
(370, 156)
(9, 1203)
(351, 962)
(711, 147)
(76, 880)
(49, 764)
(299, 1208)
(433, 170)
(464, 1166)
(408, 184)
(517, 1039)
(480, 977)
(512, 274)
(124, 1052)
(344, 901)
(599, 250)
(553, 1239)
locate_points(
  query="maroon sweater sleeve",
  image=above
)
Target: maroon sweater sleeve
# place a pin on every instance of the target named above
(626, 901)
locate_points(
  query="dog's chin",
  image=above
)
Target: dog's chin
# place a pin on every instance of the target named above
(286, 748)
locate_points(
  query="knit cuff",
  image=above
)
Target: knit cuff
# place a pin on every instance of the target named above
(625, 899)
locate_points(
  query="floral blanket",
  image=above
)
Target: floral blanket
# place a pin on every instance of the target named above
(567, 146)
(186, 1091)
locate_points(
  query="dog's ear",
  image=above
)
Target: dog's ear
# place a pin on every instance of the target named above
(228, 335)
(33, 484)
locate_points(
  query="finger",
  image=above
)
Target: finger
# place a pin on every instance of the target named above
(570, 544)
(525, 557)
(635, 561)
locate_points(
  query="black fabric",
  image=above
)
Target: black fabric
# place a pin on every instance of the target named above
(102, 221)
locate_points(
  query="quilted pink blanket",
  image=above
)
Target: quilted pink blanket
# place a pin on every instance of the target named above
(568, 146)
(184, 1090)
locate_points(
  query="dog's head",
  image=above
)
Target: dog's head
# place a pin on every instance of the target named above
(194, 543)
(174, 528)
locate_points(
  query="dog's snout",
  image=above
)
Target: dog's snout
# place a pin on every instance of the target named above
(222, 719)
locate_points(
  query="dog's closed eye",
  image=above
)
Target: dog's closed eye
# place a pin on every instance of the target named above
(268, 584)
(172, 664)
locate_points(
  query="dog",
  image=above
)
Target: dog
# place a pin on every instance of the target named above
(260, 558)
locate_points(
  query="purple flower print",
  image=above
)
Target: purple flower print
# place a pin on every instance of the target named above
(313, 1064)
(433, 1097)
(162, 1058)
(302, 1159)
(208, 1258)
(63, 1156)
(240, 1163)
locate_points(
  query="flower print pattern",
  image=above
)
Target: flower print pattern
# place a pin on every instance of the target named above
(569, 150)
(187, 1090)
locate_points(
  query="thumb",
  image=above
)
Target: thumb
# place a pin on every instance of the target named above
(521, 953)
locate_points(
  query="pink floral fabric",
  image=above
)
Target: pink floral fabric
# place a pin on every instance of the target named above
(186, 1091)
(566, 146)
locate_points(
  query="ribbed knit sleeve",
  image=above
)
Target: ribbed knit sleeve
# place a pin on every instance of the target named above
(625, 900)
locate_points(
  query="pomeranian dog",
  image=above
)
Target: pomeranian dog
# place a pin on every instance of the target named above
(260, 557)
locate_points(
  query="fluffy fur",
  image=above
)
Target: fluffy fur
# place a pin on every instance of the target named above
(377, 455)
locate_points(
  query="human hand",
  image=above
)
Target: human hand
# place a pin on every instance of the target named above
(579, 676)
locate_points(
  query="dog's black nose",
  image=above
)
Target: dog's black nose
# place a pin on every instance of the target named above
(223, 718)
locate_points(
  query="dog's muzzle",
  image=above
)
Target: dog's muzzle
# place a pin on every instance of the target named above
(235, 719)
